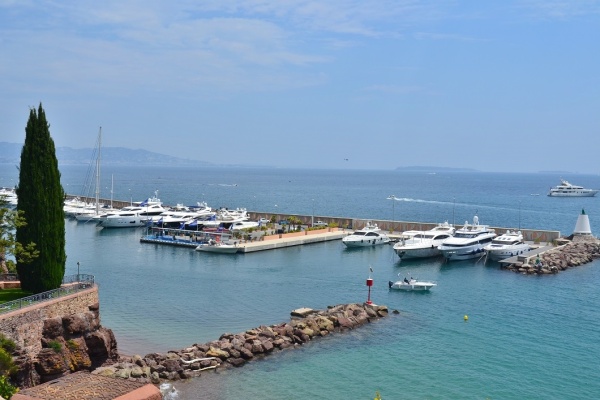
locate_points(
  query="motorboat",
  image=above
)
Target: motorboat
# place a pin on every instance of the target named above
(411, 285)
(218, 246)
(133, 216)
(424, 243)
(506, 245)
(468, 242)
(370, 235)
(566, 189)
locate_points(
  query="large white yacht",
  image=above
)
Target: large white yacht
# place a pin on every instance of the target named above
(566, 189)
(467, 242)
(133, 216)
(424, 244)
(370, 235)
(506, 245)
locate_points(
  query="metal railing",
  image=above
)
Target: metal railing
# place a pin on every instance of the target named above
(71, 284)
(9, 277)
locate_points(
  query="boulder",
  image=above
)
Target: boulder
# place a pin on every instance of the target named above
(53, 328)
(50, 363)
(76, 324)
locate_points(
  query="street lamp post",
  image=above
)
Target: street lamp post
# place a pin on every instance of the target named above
(393, 198)
(312, 218)
(77, 271)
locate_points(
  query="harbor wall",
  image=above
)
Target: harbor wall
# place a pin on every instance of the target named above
(530, 235)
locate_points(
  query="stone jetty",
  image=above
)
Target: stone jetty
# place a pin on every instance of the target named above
(235, 350)
(558, 259)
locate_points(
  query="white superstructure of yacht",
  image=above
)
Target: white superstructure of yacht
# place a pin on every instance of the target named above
(467, 242)
(424, 244)
(506, 245)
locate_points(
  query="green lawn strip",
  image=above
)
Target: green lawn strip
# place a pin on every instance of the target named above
(12, 294)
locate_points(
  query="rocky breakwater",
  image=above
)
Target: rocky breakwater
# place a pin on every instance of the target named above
(235, 350)
(561, 258)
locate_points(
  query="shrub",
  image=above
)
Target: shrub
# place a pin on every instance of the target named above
(6, 389)
(7, 344)
(54, 345)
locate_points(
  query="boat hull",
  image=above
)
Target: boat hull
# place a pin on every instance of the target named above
(123, 222)
(417, 252)
(220, 249)
(500, 254)
(591, 193)
(412, 286)
(463, 253)
(365, 242)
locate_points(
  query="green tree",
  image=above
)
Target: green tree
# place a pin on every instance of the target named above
(9, 221)
(41, 201)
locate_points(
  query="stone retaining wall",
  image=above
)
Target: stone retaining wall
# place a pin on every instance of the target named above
(25, 326)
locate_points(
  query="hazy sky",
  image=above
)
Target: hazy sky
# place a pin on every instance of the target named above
(491, 85)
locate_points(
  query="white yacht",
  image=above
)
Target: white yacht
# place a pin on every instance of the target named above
(467, 242)
(370, 235)
(424, 244)
(133, 216)
(566, 189)
(506, 245)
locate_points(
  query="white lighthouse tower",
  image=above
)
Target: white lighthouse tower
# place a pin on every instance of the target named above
(582, 227)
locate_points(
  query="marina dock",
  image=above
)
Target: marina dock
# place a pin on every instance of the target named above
(191, 239)
(525, 257)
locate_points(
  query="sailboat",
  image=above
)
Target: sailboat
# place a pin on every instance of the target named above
(88, 213)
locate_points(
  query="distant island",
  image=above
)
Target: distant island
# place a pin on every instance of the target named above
(435, 169)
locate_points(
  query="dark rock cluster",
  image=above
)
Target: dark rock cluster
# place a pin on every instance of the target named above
(71, 343)
(234, 350)
(559, 259)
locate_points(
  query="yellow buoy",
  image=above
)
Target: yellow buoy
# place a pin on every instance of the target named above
(466, 317)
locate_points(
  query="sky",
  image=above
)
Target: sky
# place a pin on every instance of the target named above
(508, 86)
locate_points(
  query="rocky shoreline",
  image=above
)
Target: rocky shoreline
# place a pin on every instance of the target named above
(560, 258)
(235, 350)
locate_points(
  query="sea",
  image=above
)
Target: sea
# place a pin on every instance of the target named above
(526, 337)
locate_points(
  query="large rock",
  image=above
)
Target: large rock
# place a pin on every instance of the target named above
(53, 328)
(102, 347)
(50, 364)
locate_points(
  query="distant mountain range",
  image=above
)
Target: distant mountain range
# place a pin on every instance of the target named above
(11, 153)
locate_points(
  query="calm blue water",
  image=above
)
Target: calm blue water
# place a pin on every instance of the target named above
(526, 337)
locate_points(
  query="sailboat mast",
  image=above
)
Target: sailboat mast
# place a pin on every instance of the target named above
(98, 172)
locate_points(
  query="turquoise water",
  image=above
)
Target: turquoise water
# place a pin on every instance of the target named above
(526, 337)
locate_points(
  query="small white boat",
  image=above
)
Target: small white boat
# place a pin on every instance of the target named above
(411, 285)
(566, 189)
(218, 247)
(506, 245)
(368, 236)
(424, 244)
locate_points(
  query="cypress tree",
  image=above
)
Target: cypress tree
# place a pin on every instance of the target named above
(41, 201)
